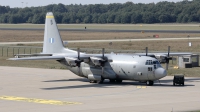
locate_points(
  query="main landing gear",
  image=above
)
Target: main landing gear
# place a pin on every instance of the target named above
(97, 81)
(150, 83)
(101, 81)
(115, 81)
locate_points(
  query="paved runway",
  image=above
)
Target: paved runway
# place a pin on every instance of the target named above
(106, 30)
(50, 90)
(109, 40)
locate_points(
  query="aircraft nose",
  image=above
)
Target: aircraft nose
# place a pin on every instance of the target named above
(160, 73)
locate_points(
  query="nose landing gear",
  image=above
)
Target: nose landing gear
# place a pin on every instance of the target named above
(150, 83)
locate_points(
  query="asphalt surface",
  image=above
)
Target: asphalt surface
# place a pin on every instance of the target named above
(102, 30)
(50, 90)
(109, 40)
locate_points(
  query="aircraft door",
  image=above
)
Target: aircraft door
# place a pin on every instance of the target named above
(150, 70)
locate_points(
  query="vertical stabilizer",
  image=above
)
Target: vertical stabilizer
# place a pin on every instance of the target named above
(52, 40)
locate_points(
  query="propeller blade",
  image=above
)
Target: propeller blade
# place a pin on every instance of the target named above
(79, 70)
(79, 64)
(168, 50)
(102, 71)
(146, 51)
(78, 51)
(103, 51)
(168, 58)
(167, 65)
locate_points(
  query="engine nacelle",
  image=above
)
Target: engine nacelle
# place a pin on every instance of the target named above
(71, 61)
(96, 61)
(161, 58)
(94, 77)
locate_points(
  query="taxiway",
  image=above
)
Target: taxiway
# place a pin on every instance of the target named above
(110, 30)
(35, 90)
(108, 40)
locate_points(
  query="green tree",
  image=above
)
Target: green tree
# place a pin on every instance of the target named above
(38, 19)
(59, 8)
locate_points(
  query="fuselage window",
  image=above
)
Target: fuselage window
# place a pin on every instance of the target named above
(149, 68)
(154, 66)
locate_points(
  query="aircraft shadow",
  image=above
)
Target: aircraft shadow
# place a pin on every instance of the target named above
(186, 80)
(171, 85)
(66, 80)
(107, 84)
(96, 85)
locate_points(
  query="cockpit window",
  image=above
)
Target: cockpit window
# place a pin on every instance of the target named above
(149, 62)
(157, 63)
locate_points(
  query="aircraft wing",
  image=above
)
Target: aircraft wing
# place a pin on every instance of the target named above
(165, 54)
(39, 58)
(173, 54)
(162, 56)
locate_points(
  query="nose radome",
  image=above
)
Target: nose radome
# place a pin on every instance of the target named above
(160, 73)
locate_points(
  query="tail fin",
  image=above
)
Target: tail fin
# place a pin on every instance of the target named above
(52, 40)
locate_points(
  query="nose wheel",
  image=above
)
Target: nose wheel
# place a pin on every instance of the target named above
(150, 83)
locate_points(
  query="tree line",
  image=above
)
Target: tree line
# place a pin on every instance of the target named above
(129, 12)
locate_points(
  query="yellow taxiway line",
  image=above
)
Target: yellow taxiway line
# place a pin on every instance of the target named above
(34, 100)
(141, 87)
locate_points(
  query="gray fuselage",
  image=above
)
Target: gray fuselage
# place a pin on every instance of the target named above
(122, 67)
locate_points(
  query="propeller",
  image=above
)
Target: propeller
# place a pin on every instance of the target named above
(168, 58)
(146, 51)
(78, 61)
(103, 62)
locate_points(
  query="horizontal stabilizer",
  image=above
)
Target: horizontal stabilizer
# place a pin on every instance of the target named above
(39, 58)
(33, 55)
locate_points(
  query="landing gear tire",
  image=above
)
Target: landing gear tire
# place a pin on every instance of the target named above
(150, 83)
(112, 80)
(93, 81)
(101, 81)
(118, 81)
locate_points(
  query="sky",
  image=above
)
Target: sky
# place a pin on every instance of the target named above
(29, 3)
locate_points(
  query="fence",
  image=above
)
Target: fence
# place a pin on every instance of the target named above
(10, 51)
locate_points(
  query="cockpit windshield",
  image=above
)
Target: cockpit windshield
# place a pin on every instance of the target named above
(157, 63)
(150, 62)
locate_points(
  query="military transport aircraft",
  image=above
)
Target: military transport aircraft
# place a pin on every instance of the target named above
(96, 67)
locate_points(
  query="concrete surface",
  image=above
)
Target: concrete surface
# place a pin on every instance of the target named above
(112, 30)
(109, 40)
(64, 86)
